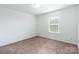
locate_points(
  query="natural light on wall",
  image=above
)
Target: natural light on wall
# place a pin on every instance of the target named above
(36, 5)
(53, 24)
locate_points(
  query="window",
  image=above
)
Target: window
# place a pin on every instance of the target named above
(53, 24)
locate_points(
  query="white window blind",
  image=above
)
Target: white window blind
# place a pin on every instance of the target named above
(53, 24)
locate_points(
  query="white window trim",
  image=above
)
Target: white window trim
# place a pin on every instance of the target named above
(53, 24)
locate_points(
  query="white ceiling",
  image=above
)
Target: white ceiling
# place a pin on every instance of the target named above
(28, 8)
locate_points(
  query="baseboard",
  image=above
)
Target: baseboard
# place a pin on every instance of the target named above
(57, 40)
(35, 37)
(17, 41)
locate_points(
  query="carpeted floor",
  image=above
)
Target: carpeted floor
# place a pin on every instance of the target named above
(39, 45)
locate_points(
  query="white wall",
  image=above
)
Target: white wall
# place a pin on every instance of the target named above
(68, 25)
(78, 27)
(15, 26)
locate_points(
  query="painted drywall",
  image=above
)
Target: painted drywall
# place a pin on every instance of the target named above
(68, 25)
(15, 26)
(78, 26)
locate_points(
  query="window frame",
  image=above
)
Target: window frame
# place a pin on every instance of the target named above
(49, 24)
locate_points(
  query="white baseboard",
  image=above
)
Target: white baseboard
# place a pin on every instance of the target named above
(14, 41)
(7, 43)
(57, 39)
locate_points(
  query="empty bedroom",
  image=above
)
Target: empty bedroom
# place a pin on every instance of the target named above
(39, 28)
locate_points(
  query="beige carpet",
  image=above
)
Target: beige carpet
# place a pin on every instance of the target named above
(39, 45)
